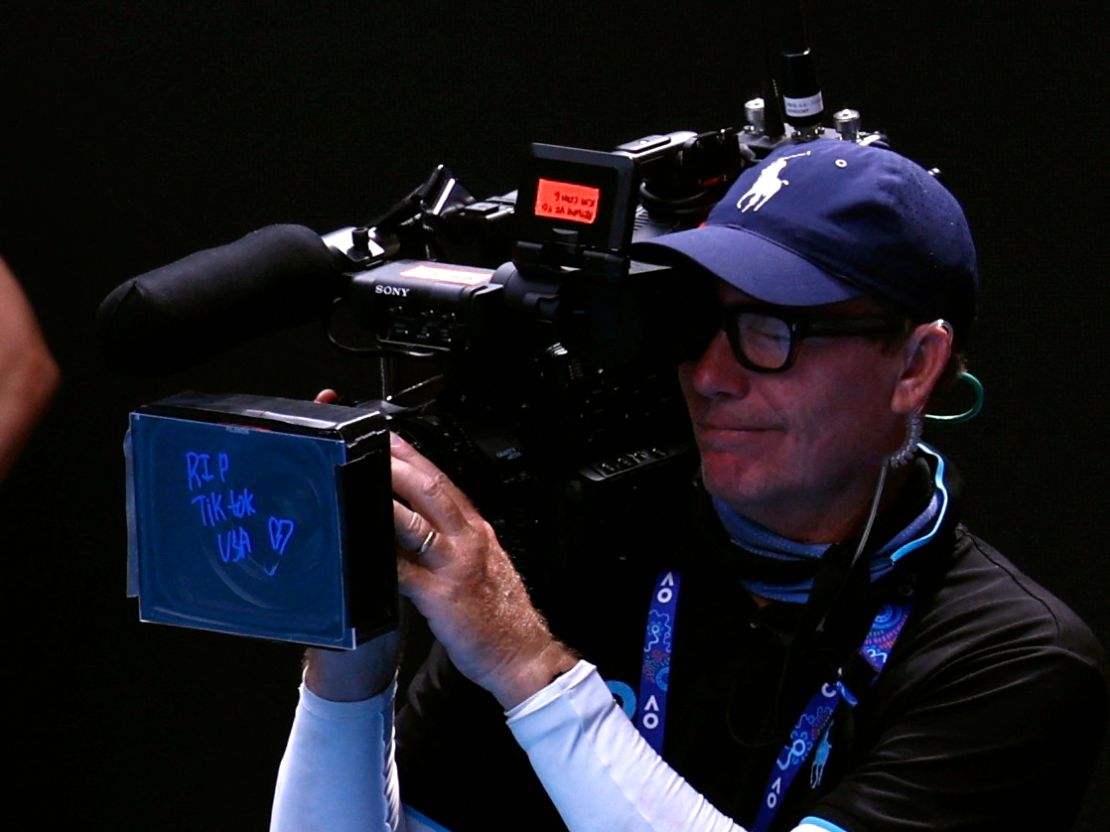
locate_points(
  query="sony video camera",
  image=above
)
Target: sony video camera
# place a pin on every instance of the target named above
(540, 377)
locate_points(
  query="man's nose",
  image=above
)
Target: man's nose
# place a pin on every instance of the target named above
(717, 372)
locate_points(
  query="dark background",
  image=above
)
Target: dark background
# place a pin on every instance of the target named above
(134, 133)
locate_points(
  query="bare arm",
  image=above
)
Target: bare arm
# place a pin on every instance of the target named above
(28, 373)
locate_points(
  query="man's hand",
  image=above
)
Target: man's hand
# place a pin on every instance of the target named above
(352, 675)
(458, 576)
(451, 566)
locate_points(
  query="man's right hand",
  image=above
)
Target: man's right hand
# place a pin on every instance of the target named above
(352, 675)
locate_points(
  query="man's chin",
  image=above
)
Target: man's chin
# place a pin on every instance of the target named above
(729, 479)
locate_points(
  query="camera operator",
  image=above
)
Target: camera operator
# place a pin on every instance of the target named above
(825, 538)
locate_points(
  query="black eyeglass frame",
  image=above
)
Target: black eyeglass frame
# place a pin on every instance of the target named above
(806, 325)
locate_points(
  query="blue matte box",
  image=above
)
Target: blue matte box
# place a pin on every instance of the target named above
(261, 517)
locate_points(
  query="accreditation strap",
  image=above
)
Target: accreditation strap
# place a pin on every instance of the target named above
(651, 705)
(810, 735)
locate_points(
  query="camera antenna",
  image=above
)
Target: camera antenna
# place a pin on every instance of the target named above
(768, 118)
(798, 100)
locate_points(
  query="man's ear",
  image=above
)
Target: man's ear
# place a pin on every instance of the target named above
(926, 352)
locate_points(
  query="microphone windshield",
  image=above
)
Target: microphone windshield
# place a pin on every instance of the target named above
(177, 315)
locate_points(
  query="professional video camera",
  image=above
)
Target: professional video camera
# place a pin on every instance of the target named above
(545, 389)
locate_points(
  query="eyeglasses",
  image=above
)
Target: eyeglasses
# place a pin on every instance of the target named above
(765, 338)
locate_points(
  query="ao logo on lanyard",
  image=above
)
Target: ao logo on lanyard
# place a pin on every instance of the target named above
(810, 735)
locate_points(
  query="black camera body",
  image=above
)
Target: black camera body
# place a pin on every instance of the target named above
(539, 377)
(557, 409)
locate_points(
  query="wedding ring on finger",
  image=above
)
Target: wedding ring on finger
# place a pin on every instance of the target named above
(423, 547)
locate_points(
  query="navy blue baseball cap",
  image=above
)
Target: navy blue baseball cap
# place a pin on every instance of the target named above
(830, 220)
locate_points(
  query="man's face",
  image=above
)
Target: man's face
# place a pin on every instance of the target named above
(797, 451)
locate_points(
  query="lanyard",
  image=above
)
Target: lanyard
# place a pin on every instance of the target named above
(651, 707)
(810, 732)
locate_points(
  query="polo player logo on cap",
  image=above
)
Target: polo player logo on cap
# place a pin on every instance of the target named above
(767, 184)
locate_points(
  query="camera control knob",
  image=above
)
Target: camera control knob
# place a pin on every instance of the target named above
(755, 115)
(847, 124)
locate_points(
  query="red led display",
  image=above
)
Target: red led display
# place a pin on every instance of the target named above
(566, 201)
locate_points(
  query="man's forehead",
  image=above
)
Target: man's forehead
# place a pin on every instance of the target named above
(729, 295)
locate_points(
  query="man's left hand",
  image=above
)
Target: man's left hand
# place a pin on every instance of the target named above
(452, 567)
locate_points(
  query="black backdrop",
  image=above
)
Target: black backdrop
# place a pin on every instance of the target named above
(134, 133)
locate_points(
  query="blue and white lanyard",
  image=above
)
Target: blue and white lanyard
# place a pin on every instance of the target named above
(651, 705)
(810, 731)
